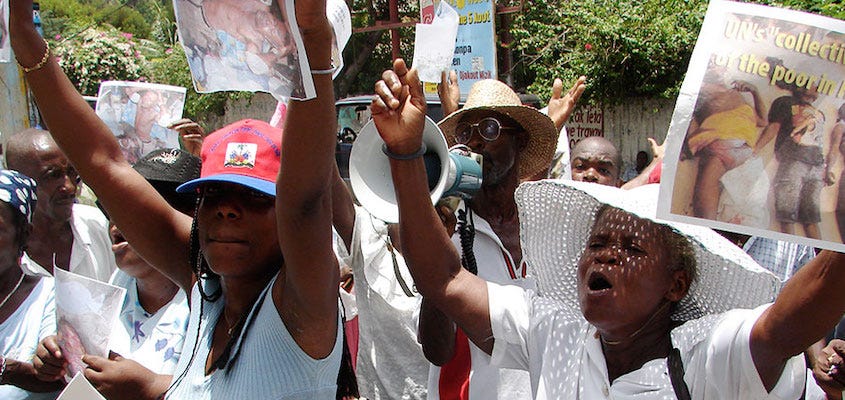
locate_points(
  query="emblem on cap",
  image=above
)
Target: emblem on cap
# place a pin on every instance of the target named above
(240, 155)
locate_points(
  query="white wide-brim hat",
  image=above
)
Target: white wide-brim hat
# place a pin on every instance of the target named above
(556, 217)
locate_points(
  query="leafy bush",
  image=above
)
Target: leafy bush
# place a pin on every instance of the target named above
(97, 55)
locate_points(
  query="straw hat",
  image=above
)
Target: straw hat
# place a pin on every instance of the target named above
(555, 221)
(490, 94)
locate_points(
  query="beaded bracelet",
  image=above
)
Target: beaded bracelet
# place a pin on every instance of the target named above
(41, 63)
(417, 154)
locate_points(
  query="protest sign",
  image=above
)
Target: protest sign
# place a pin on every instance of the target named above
(86, 310)
(80, 389)
(138, 114)
(755, 144)
(475, 47)
(434, 43)
(249, 45)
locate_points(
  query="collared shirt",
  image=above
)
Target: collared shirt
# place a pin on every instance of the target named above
(90, 254)
(390, 362)
(495, 264)
(564, 356)
(20, 333)
(153, 340)
(781, 258)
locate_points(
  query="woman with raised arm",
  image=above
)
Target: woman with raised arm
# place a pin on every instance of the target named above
(262, 273)
(627, 306)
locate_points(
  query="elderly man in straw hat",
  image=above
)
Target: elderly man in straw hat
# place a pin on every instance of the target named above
(517, 143)
(626, 306)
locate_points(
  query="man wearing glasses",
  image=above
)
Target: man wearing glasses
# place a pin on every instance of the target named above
(517, 143)
(65, 234)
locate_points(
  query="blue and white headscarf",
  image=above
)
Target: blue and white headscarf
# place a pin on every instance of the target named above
(18, 190)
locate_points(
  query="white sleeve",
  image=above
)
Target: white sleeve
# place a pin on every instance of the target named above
(510, 308)
(48, 320)
(730, 365)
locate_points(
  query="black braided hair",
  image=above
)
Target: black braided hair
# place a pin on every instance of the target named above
(198, 263)
(466, 231)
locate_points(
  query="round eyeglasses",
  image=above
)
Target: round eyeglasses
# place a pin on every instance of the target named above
(488, 128)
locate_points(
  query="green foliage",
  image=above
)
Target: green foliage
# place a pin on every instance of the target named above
(99, 55)
(626, 48)
(66, 17)
(100, 40)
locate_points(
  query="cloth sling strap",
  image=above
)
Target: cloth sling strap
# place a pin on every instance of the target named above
(676, 374)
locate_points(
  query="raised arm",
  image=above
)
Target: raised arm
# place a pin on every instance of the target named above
(308, 290)
(156, 230)
(399, 111)
(561, 106)
(810, 304)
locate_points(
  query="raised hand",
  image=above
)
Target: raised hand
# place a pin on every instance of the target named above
(562, 105)
(449, 92)
(191, 134)
(399, 108)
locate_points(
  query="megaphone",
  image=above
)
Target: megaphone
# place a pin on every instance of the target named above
(450, 172)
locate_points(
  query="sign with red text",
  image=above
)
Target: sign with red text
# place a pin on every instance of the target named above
(586, 121)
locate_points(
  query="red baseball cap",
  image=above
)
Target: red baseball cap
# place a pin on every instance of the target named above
(245, 152)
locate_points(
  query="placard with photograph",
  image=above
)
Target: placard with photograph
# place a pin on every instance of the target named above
(756, 140)
(86, 310)
(138, 114)
(248, 45)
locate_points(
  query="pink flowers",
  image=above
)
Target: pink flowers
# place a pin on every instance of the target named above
(126, 35)
(57, 37)
(588, 47)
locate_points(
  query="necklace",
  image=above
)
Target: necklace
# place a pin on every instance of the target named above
(9, 296)
(231, 329)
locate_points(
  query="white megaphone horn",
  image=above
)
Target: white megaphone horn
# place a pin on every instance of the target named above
(449, 172)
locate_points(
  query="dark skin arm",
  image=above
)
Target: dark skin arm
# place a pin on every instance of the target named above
(399, 111)
(436, 334)
(813, 300)
(156, 230)
(23, 375)
(306, 295)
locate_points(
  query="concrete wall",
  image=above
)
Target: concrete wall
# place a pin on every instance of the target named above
(14, 104)
(627, 125)
(261, 106)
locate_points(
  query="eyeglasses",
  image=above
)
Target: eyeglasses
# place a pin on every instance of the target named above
(488, 128)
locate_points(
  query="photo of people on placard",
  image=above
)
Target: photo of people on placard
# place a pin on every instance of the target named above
(763, 144)
(240, 45)
(138, 114)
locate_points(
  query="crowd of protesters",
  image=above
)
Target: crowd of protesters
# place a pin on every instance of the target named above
(251, 272)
